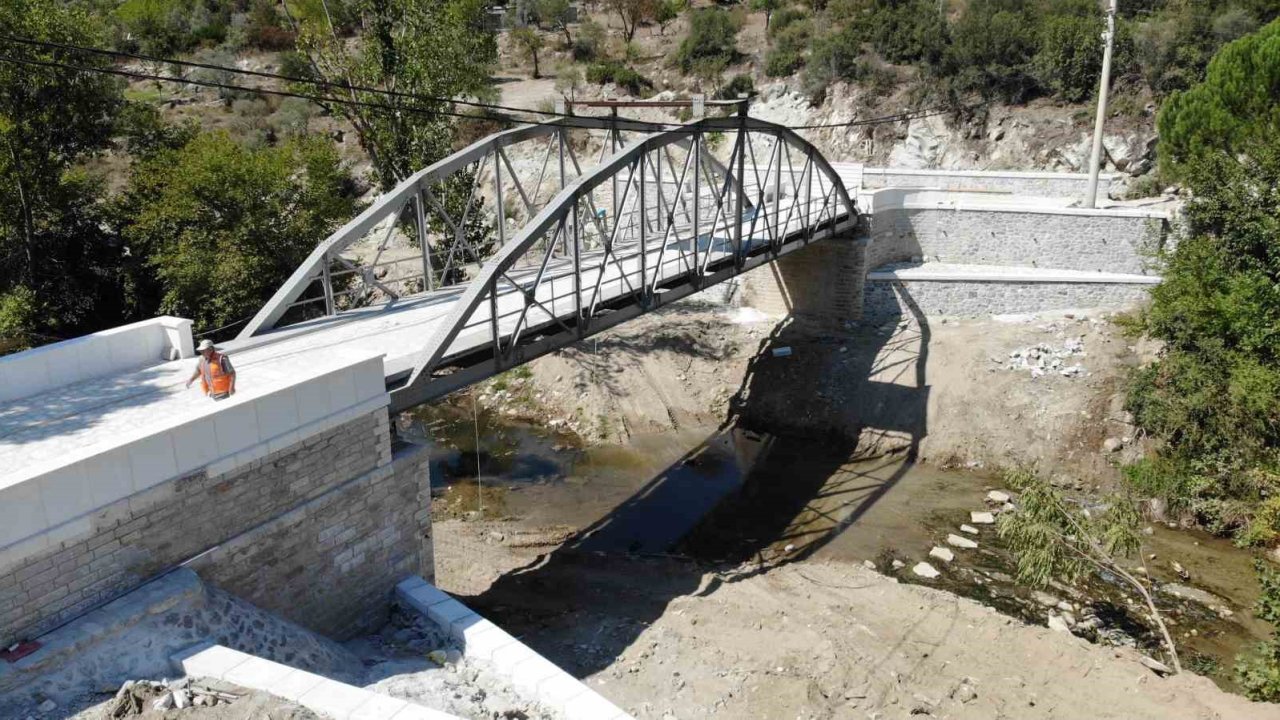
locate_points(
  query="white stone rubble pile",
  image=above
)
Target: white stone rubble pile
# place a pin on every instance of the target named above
(1044, 358)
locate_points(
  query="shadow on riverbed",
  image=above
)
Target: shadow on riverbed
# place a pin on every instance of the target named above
(805, 486)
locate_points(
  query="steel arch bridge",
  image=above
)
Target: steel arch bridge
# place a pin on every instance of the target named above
(511, 248)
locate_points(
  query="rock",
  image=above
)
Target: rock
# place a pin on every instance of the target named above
(965, 693)
(961, 542)
(1008, 507)
(1112, 444)
(942, 554)
(925, 570)
(868, 565)
(898, 564)
(164, 702)
(47, 706)
(1057, 623)
(999, 497)
(438, 657)
(1044, 598)
(1155, 665)
(1187, 592)
(181, 699)
(1182, 572)
(969, 529)
(982, 518)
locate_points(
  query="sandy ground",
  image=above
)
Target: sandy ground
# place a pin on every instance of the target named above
(945, 390)
(667, 638)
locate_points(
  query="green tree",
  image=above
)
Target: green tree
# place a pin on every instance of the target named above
(1053, 540)
(529, 43)
(54, 255)
(768, 7)
(556, 14)
(633, 13)
(667, 12)
(427, 48)
(992, 46)
(222, 226)
(1235, 109)
(712, 40)
(1213, 398)
(1069, 58)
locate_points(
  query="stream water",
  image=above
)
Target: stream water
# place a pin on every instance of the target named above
(736, 496)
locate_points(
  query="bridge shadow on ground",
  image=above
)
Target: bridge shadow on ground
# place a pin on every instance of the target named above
(826, 426)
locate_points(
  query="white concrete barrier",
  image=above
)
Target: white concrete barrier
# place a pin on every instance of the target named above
(45, 503)
(128, 347)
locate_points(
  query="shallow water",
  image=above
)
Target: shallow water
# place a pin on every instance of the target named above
(735, 496)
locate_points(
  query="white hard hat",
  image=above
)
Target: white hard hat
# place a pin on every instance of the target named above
(205, 344)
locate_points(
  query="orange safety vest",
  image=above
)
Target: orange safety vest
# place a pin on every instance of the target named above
(215, 375)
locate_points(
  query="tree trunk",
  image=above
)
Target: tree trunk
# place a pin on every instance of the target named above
(28, 223)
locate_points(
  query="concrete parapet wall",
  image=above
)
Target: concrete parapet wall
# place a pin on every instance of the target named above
(278, 497)
(893, 299)
(127, 347)
(46, 505)
(1042, 184)
(1123, 241)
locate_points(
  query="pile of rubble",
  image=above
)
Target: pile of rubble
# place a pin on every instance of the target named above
(1043, 358)
(137, 696)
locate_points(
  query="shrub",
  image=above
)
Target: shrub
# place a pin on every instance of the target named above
(738, 86)
(712, 40)
(992, 46)
(1259, 675)
(590, 43)
(832, 57)
(789, 44)
(620, 75)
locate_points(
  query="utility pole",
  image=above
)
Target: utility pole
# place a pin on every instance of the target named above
(1095, 157)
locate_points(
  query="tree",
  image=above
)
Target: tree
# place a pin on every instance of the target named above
(767, 7)
(221, 226)
(58, 268)
(556, 13)
(668, 11)
(432, 49)
(1052, 540)
(992, 45)
(1235, 109)
(529, 42)
(632, 13)
(712, 41)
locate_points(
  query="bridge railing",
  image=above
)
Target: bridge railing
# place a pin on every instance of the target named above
(437, 228)
(676, 221)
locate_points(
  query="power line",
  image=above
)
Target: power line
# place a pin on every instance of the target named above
(898, 117)
(274, 76)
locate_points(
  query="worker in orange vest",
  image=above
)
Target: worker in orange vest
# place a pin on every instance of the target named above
(217, 376)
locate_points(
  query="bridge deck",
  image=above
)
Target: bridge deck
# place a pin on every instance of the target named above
(80, 419)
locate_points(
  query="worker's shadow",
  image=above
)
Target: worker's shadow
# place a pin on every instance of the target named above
(809, 417)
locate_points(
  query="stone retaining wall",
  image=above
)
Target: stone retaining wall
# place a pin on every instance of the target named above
(892, 299)
(1064, 239)
(1036, 184)
(319, 509)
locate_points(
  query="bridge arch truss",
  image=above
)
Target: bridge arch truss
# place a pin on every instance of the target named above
(660, 219)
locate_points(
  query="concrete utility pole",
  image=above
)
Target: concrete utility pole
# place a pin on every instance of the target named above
(1095, 157)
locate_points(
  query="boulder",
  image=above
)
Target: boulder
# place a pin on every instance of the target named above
(925, 570)
(1112, 444)
(969, 529)
(982, 518)
(961, 542)
(1058, 623)
(999, 497)
(942, 554)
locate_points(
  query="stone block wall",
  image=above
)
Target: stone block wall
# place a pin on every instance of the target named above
(819, 286)
(132, 539)
(893, 299)
(1103, 241)
(1034, 184)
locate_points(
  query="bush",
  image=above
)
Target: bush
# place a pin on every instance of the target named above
(906, 31)
(789, 44)
(589, 44)
(1260, 675)
(740, 85)
(712, 40)
(620, 75)
(832, 57)
(1069, 60)
(1213, 399)
(993, 43)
